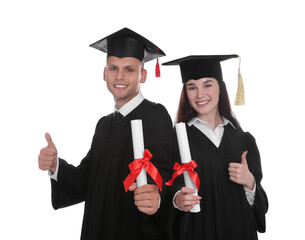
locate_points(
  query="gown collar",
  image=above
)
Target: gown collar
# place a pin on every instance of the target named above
(131, 105)
(225, 122)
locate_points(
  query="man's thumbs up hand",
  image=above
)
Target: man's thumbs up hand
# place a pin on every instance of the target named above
(47, 158)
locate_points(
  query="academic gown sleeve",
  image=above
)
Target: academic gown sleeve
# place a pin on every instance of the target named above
(71, 186)
(260, 206)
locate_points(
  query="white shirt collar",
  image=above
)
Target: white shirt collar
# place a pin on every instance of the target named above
(131, 105)
(216, 135)
(225, 122)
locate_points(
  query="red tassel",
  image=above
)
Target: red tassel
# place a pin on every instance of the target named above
(158, 73)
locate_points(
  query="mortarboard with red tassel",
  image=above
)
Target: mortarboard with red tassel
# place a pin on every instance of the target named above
(127, 43)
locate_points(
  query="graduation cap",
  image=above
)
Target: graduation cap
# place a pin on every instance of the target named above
(200, 66)
(127, 43)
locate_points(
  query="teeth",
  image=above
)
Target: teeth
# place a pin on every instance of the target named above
(203, 102)
(120, 86)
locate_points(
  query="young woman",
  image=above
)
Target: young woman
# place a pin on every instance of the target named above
(232, 200)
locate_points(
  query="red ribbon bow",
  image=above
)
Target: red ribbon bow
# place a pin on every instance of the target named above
(179, 169)
(136, 167)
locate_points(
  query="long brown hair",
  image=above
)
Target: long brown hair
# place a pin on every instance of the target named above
(186, 112)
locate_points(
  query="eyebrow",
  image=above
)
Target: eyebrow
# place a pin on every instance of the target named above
(205, 82)
(129, 66)
(190, 84)
(126, 66)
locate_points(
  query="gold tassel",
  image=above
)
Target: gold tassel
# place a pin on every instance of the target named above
(240, 95)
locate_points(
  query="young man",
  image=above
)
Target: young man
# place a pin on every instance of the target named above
(110, 213)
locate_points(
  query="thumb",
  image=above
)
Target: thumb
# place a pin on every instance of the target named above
(243, 158)
(132, 187)
(49, 140)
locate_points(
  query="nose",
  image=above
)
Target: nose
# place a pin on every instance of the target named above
(200, 93)
(120, 75)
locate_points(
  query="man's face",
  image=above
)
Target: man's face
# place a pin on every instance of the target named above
(123, 77)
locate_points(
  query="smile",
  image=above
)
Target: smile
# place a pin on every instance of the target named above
(202, 102)
(120, 86)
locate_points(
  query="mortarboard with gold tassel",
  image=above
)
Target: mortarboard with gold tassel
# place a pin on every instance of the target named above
(200, 66)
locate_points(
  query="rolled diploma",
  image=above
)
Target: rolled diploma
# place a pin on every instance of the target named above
(138, 148)
(185, 156)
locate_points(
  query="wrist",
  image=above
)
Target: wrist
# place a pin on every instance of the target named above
(53, 169)
(250, 185)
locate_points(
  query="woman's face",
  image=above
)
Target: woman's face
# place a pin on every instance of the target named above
(203, 95)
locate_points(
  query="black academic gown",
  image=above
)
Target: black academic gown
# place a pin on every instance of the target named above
(109, 212)
(225, 212)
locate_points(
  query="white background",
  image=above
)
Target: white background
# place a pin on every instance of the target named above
(52, 81)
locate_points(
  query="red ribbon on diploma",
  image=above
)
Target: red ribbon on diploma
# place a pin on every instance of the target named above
(136, 167)
(180, 168)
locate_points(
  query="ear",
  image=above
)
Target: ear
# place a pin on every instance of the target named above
(143, 76)
(104, 74)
